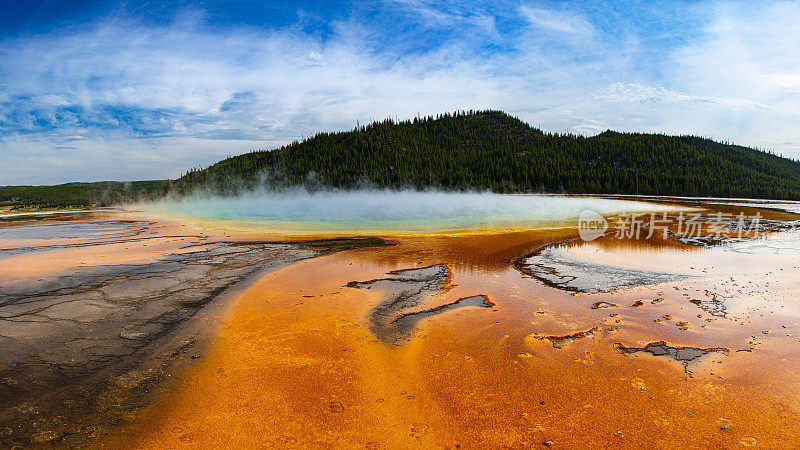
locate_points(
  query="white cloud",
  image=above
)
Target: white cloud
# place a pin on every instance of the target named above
(448, 14)
(183, 82)
(151, 102)
(788, 81)
(749, 52)
(560, 21)
(632, 92)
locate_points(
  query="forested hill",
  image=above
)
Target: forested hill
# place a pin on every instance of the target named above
(67, 195)
(492, 150)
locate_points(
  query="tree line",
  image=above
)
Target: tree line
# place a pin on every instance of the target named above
(490, 150)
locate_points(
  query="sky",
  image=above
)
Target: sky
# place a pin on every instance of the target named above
(107, 90)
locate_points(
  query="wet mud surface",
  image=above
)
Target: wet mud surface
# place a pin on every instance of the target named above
(82, 347)
(554, 268)
(39, 217)
(563, 341)
(447, 342)
(395, 319)
(71, 230)
(684, 355)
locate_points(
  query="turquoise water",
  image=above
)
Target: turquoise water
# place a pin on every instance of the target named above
(393, 211)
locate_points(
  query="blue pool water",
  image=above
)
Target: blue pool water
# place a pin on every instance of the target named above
(410, 211)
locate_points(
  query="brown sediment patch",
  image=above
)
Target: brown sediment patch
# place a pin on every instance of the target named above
(406, 289)
(714, 305)
(603, 305)
(471, 252)
(563, 340)
(35, 217)
(682, 354)
(476, 301)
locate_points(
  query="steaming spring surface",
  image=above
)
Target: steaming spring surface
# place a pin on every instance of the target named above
(394, 211)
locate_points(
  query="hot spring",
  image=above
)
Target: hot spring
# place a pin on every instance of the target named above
(392, 211)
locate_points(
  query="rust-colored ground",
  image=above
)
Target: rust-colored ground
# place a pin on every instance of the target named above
(295, 365)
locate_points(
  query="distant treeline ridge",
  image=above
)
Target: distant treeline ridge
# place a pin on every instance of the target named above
(490, 150)
(469, 150)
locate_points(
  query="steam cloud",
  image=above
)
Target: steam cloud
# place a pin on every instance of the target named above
(408, 210)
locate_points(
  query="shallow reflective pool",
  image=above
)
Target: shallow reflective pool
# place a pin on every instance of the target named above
(394, 211)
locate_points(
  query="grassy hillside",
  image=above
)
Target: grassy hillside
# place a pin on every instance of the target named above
(491, 150)
(101, 193)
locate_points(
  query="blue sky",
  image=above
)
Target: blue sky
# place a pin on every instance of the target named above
(98, 90)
